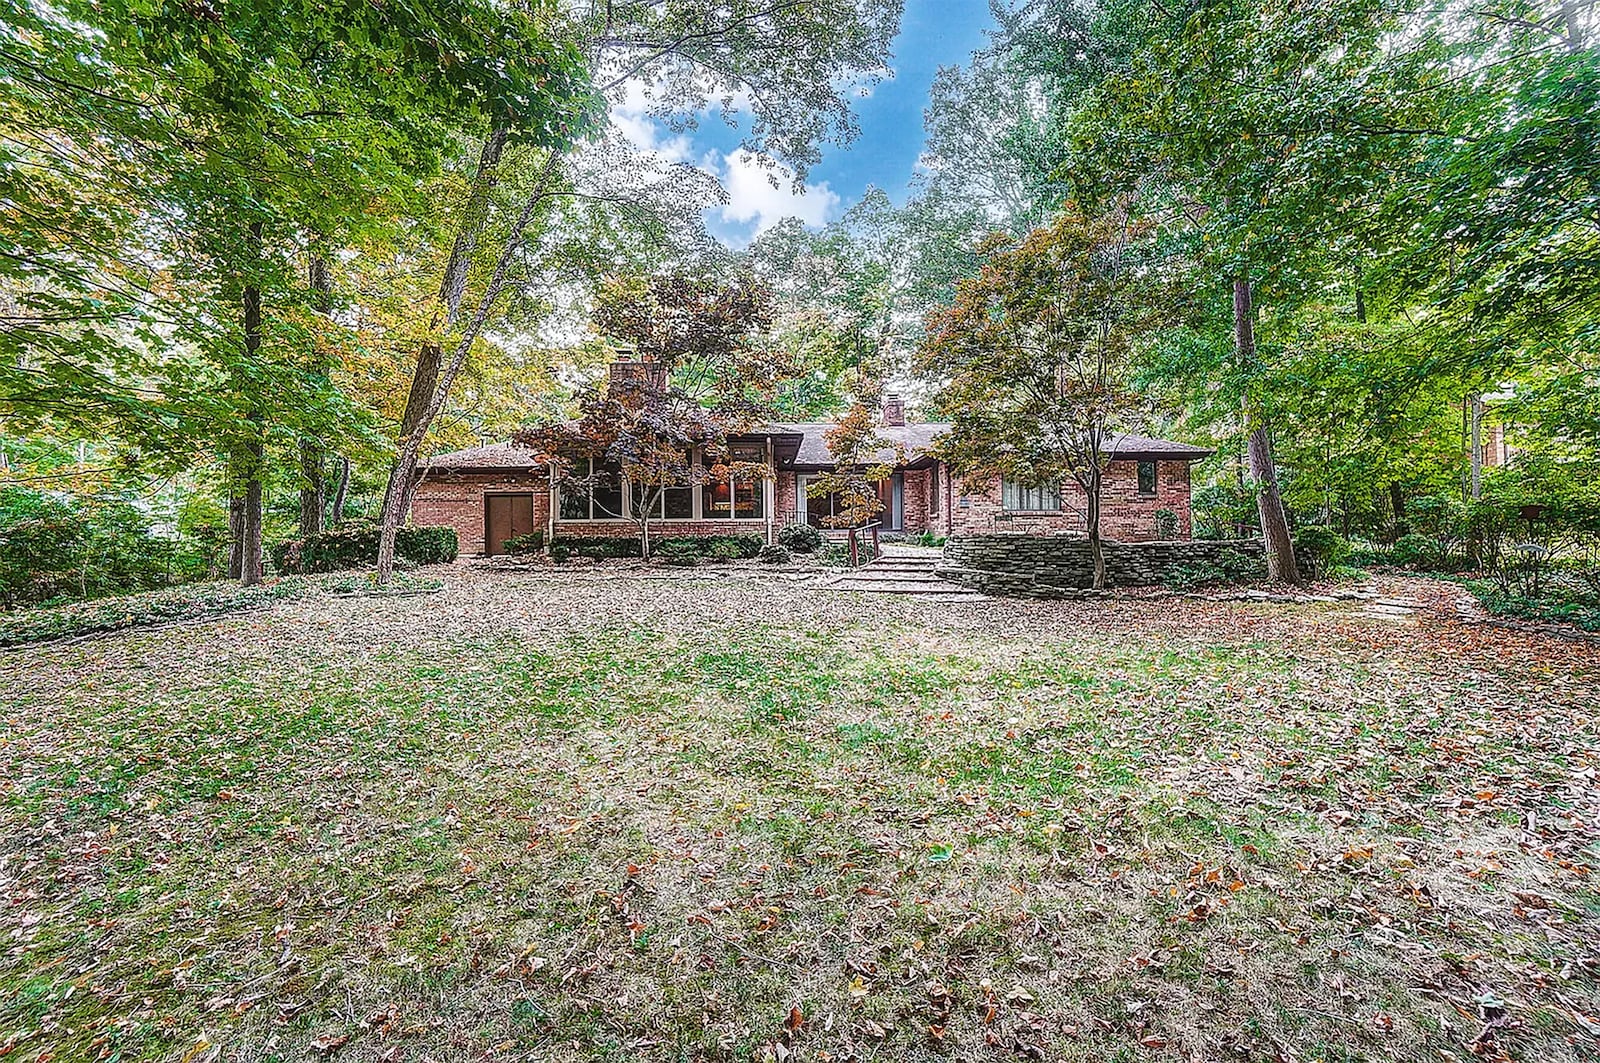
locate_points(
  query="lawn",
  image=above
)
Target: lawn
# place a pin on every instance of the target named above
(572, 818)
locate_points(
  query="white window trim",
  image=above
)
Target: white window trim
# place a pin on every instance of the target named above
(1057, 508)
(765, 486)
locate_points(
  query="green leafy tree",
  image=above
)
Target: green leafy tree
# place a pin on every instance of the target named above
(692, 58)
(1034, 356)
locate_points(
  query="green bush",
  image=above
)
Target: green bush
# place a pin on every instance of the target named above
(928, 539)
(1230, 567)
(773, 555)
(1415, 551)
(531, 543)
(196, 601)
(355, 545)
(681, 552)
(1167, 524)
(1223, 511)
(55, 546)
(1557, 605)
(726, 547)
(595, 547)
(1323, 547)
(800, 538)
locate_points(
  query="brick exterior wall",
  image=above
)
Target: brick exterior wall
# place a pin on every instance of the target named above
(914, 499)
(457, 500)
(1125, 514)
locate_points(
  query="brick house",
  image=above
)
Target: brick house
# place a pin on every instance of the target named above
(491, 493)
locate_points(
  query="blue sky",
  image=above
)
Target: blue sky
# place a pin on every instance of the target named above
(934, 33)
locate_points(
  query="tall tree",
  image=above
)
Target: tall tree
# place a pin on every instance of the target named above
(1035, 356)
(692, 58)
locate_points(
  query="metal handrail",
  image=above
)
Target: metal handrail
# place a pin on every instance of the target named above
(877, 547)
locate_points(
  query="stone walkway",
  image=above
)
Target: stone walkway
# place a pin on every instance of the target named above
(903, 570)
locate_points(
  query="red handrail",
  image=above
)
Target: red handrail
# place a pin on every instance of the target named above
(877, 548)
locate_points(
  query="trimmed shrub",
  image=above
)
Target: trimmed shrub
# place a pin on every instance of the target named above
(355, 545)
(680, 552)
(1415, 551)
(800, 538)
(1325, 548)
(773, 555)
(724, 550)
(1167, 525)
(531, 543)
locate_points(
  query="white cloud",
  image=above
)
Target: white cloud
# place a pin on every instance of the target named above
(754, 203)
(632, 117)
(752, 197)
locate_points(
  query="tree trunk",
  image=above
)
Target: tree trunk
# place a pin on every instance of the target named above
(337, 513)
(254, 449)
(1475, 441)
(251, 573)
(313, 456)
(1397, 503)
(235, 520)
(402, 474)
(1096, 548)
(452, 287)
(1263, 470)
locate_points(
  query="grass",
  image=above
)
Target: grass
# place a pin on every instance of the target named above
(533, 818)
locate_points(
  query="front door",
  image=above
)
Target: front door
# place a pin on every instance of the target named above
(506, 517)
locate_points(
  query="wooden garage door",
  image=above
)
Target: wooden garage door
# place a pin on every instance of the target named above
(508, 516)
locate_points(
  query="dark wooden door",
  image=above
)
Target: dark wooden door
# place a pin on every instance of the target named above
(506, 517)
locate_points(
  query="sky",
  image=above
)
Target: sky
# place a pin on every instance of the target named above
(934, 33)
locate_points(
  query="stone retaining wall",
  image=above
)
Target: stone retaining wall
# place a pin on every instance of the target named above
(1060, 566)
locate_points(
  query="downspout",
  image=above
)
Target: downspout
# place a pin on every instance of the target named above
(770, 486)
(550, 509)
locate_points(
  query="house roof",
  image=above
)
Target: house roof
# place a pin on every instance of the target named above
(489, 456)
(915, 439)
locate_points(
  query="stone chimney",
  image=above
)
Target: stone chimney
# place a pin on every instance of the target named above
(894, 410)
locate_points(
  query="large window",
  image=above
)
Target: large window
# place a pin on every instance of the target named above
(1147, 477)
(735, 497)
(599, 497)
(1021, 498)
(672, 503)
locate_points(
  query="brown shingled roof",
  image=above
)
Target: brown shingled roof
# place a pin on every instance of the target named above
(489, 456)
(918, 440)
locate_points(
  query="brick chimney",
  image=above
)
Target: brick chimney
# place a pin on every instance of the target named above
(625, 369)
(894, 409)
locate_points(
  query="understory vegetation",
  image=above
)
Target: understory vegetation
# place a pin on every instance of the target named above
(645, 820)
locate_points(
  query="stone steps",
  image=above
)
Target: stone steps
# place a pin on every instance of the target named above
(903, 572)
